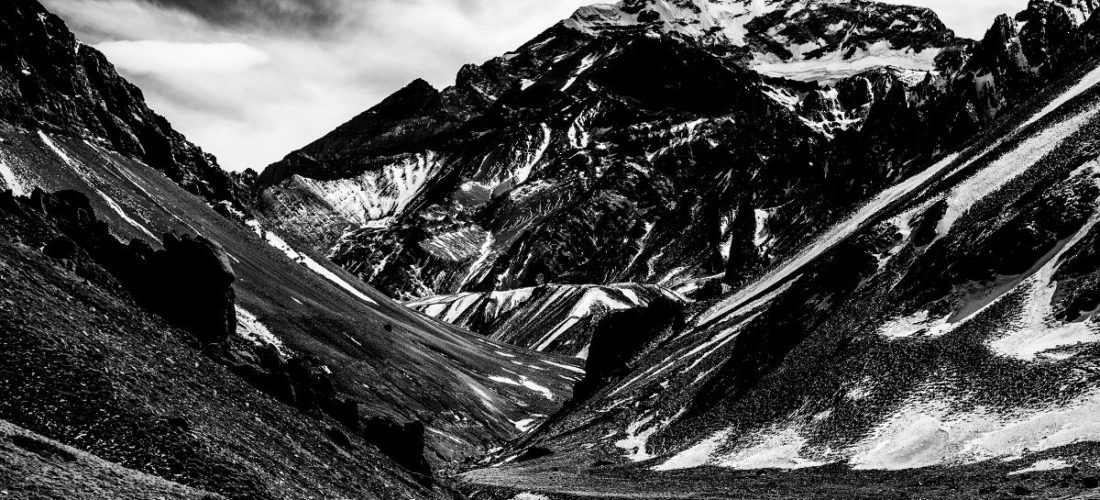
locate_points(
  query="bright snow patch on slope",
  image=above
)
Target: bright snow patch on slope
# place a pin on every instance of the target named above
(1043, 466)
(530, 496)
(525, 382)
(252, 329)
(500, 174)
(1008, 167)
(282, 246)
(725, 20)
(697, 456)
(374, 194)
(638, 434)
(586, 64)
(776, 449)
(1087, 82)
(10, 180)
(592, 299)
(923, 434)
(118, 210)
(114, 206)
(839, 64)
(1039, 331)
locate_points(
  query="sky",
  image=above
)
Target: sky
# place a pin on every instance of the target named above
(252, 80)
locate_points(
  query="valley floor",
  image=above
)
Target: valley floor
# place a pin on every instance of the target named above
(992, 480)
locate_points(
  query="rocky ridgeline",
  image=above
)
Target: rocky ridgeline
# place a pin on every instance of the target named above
(50, 81)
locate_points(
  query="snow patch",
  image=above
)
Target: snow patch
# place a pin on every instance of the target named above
(10, 180)
(637, 439)
(523, 425)
(281, 245)
(376, 194)
(526, 383)
(1039, 332)
(777, 449)
(932, 432)
(573, 369)
(530, 496)
(129, 220)
(843, 63)
(1043, 466)
(697, 456)
(585, 307)
(1007, 167)
(1089, 81)
(256, 332)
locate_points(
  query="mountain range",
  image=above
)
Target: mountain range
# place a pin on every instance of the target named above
(665, 249)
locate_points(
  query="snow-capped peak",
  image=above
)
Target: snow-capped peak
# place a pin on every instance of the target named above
(716, 20)
(815, 40)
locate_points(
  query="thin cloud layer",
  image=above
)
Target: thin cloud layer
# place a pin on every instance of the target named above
(158, 57)
(251, 80)
(292, 14)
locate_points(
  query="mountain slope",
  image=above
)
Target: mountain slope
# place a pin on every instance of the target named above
(947, 323)
(87, 367)
(83, 128)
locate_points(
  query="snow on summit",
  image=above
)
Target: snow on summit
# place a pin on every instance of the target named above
(809, 40)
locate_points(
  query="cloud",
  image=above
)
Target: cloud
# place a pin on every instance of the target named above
(167, 58)
(252, 80)
(292, 14)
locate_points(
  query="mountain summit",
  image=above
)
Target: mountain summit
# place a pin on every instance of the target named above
(800, 39)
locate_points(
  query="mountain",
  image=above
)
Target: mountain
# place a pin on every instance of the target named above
(692, 248)
(945, 330)
(152, 325)
(630, 151)
(882, 262)
(799, 39)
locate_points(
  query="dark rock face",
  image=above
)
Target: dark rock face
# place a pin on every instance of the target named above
(189, 282)
(618, 341)
(404, 443)
(196, 279)
(50, 81)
